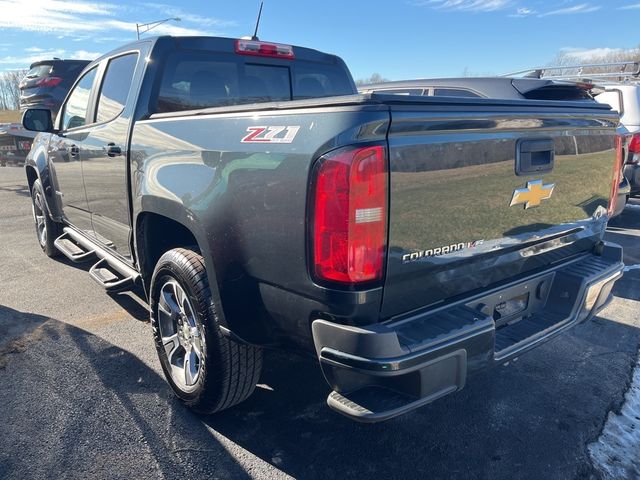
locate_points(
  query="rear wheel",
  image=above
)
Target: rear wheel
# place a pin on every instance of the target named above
(46, 229)
(206, 370)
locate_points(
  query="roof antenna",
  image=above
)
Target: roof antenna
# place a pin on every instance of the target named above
(255, 33)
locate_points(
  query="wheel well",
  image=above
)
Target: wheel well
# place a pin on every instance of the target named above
(32, 176)
(155, 235)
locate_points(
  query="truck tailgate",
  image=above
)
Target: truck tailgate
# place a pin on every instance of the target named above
(481, 193)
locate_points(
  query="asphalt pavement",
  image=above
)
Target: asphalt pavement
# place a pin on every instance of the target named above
(82, 394)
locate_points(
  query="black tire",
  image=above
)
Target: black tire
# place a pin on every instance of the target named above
(228, 371)
(46, 229)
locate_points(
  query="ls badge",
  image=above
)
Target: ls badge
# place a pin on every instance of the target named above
(532, 195)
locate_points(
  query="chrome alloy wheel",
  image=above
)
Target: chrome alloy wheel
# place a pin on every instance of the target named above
(181, 336)
(37, 207)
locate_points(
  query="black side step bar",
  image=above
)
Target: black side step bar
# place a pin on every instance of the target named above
(110, 272)
(72, 250)
(111, 279)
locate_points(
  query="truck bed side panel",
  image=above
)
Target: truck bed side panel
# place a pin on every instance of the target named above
(250, 199)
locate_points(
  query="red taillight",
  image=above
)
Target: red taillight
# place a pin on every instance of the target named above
(350, 215)
(48, 81)
(633, 158)
(264, 49)
(617, 174)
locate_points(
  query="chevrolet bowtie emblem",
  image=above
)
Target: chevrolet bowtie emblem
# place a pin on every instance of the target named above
(532, 195)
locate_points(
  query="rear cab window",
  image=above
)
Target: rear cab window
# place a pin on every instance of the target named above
(199, 79)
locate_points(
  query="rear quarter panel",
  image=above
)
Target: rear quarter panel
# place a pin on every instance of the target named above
(246, 204)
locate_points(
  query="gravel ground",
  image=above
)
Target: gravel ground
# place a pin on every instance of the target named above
(83, 396)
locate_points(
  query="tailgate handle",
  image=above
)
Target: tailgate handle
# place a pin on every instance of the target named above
(534, 156)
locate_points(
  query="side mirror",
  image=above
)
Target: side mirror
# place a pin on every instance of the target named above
(37, 120)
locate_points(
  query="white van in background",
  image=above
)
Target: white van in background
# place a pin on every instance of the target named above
(625, 98)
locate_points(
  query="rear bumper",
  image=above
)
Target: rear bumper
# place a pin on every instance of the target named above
(387, 369)
(40, 100)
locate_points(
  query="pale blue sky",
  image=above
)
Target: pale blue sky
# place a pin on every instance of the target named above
(399, 39)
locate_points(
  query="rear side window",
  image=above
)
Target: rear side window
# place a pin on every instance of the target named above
(39, 71)
(454, 92)
(200, 80)
(115, 87)
(403, 91)
(558, 92)
(68, 68)
(75, 110)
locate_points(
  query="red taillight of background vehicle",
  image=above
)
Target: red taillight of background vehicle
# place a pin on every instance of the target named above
(585, 86)
(48, 81)
(617, 174)
(633, 158)
(349, 204)
(264, 49)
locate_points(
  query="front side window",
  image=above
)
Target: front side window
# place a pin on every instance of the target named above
(115, 86)
(75, 110)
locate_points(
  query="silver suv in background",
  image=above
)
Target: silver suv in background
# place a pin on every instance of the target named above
(484, 87)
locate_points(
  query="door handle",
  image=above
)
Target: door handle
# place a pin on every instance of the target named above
(113, 150)
(74, 151)
(534, 156)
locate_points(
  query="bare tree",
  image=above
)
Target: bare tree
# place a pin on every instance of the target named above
(568, 58)
(375, 78)
(9, 91)
(470, 73)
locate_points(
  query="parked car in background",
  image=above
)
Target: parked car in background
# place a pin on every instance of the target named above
(514, 88)
(47, 82)
(484, 87)
(15, 143)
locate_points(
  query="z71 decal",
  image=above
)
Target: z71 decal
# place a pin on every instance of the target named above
(271, 134)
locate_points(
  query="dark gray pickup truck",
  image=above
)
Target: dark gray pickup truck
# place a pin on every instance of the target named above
(260, 202)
